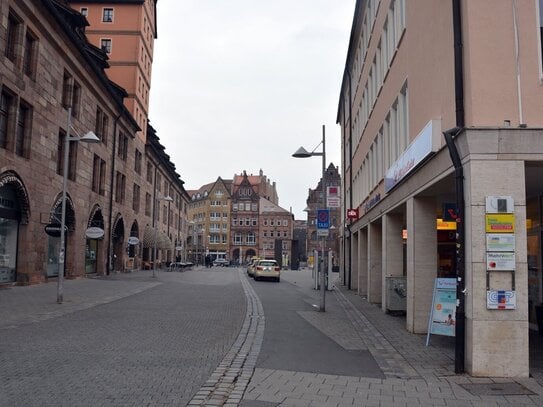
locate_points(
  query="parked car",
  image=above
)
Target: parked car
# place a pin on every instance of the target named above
(267, 269)
(251, 265)
(221, 262)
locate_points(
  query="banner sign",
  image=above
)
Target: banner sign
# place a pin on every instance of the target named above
(442, 319)
(426, 142)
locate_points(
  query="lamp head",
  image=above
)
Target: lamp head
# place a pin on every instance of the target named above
(90, 137)
(302, 153)
(168, 198)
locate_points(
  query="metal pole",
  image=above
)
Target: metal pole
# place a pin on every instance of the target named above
(156, 228)
(321, 261)
(60, 294)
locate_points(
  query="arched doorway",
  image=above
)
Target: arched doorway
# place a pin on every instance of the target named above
(236, 257)
(117, 240)
(53, 242)
(14, 210)
(93, 245)
(249, 254)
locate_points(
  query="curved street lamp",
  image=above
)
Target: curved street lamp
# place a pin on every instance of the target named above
(303, 153)
(165, 199)
(89, 137)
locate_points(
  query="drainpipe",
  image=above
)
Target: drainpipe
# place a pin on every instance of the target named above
(350, 172)
(109, 266)
(344, 201)
(460, 327)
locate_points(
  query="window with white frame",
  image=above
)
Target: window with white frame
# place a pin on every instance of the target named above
(251, 239)
(238, 239)
(105, 44)
(107, 15)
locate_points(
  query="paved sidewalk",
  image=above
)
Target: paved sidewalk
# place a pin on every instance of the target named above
(415, 375)
(35, 303)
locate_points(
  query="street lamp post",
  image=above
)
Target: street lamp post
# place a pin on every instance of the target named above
(303, 153)
(166, 199)
(89, 137)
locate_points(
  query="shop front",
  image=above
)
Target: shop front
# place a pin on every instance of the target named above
(9, 230)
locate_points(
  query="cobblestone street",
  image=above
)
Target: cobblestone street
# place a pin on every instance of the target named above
(125, 340)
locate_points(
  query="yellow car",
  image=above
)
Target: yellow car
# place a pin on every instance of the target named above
(267, 269)
(250, 267)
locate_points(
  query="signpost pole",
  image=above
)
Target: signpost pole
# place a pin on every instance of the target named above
(323, 277)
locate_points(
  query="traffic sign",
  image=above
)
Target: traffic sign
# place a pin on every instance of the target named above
(323, 218)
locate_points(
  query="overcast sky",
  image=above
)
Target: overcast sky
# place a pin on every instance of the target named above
(242, 84)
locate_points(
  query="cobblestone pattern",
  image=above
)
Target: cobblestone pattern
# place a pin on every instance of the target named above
(229, 381)
(391, 362)
(428, 362)
(152, 348)
(37, 303)
(416, 375)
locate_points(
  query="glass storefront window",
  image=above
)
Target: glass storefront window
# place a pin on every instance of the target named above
(533, 229)
(53, 249)
(8, 249)
(90, 256)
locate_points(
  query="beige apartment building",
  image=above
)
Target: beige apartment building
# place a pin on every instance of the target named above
(442, 144)
(209, 222)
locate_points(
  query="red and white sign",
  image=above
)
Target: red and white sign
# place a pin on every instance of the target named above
(352, 213)
(333, 197)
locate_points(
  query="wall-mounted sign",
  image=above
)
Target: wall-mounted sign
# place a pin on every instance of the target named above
(426, 142)
(133, 240)
(499, 204)
(500, 242)
(53, 229)
(500, 261)
(372, 202)
(352, 213)
(94, 233)
(442, 225)
(450, 212)
(500, 223)
(501, 299)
